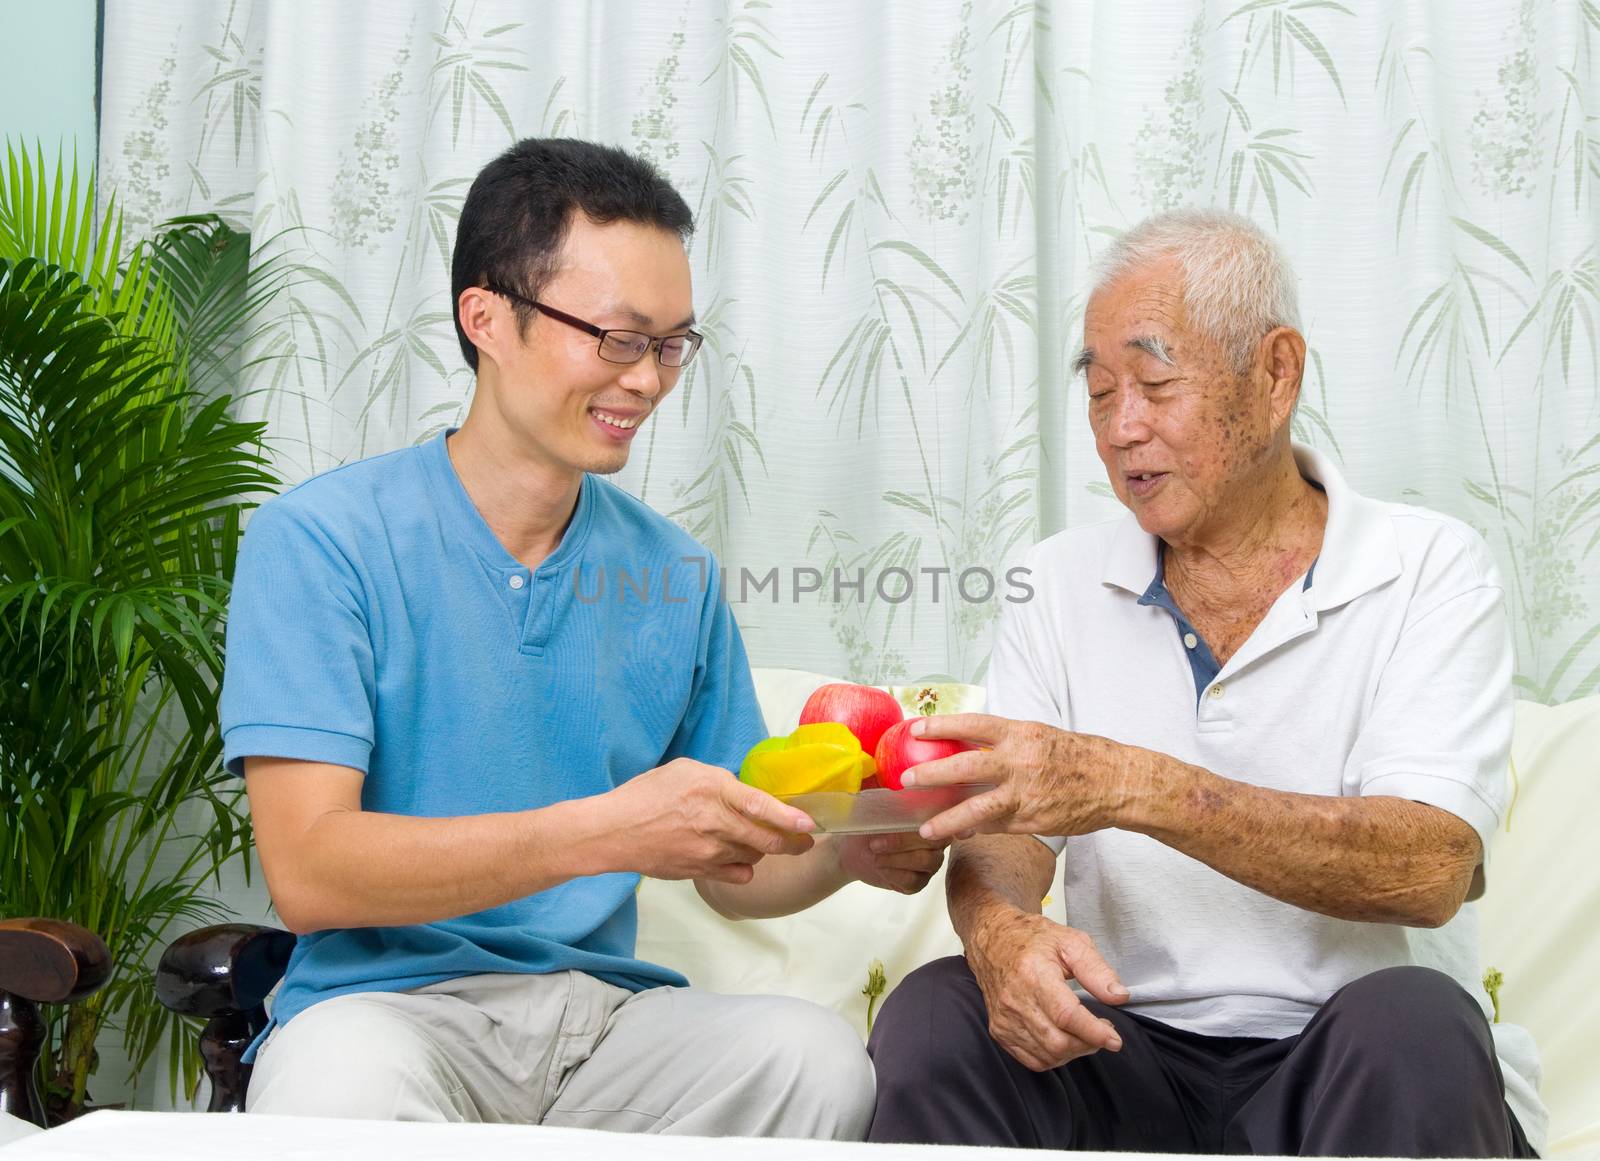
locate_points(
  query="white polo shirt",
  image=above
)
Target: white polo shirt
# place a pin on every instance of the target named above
(1390, 674)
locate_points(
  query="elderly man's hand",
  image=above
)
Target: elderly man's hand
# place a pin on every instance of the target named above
(1046, 781)
(1022, 963)
(895, 862)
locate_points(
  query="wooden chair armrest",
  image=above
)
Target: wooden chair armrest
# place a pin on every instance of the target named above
(50, 961)
(42, 961)
(223, 974)
(229, 967)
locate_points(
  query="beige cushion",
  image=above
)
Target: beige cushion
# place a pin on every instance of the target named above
(1541, 914)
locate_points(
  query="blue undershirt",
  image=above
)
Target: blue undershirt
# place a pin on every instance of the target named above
(1203, 663)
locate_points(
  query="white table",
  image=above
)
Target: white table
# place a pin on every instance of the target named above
(224, 1137)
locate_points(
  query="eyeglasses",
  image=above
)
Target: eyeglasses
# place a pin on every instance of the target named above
(617, 346)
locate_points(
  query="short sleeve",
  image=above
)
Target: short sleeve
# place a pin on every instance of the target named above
(299, 679)
(723, 718)
(1440, 729)
(1018, 687)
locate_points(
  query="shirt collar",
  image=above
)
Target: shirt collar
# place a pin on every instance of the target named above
(1359, 551)
(468, 522)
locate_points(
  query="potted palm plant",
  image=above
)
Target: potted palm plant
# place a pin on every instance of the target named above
(123, 481)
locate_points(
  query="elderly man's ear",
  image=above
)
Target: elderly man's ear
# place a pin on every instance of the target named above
(1283, 362)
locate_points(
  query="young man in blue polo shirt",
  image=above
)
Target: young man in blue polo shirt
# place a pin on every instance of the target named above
(464, 741)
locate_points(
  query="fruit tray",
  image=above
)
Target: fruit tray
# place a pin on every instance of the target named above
(880, 811)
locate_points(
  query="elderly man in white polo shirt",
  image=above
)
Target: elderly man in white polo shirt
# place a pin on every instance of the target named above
(1263, 723)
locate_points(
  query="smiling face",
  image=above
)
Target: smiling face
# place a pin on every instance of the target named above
(1181, 432)
(556, 399)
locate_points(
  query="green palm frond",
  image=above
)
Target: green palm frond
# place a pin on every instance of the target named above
(112, 474)
(217, 287)
(122, 486)
(50, 214)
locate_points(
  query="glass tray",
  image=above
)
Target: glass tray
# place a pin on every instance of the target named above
(880, 811)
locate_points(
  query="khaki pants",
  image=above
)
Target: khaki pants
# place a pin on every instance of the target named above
(566, 1049)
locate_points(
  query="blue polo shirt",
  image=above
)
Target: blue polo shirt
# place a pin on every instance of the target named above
(377, 623)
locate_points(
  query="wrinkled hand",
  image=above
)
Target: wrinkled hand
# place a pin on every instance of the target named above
(895, 862)
(687, 820)
(1022, 963)
(1046, 781)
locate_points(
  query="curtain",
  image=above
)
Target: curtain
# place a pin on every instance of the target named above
(897, 205)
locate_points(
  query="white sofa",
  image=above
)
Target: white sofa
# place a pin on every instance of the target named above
(1540, 916)
(1541, 924)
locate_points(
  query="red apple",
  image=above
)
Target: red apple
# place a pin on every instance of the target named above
(862, 709)
(898, 751)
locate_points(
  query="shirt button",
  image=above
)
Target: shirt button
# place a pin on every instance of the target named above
(516, 580)
(1216, 690)
(1190, 640)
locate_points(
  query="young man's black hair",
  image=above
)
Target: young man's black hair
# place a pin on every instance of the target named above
(515, 218)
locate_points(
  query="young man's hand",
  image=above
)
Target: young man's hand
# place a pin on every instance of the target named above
(688, 820)
(895, 862)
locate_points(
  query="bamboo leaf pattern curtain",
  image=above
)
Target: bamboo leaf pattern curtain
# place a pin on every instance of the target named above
(897, 206)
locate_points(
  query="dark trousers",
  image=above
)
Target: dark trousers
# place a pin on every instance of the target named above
(1399, 1063)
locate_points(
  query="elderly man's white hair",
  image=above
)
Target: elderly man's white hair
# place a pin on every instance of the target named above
(1237, 283)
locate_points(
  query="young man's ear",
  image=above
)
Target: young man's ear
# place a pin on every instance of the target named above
(482, 319)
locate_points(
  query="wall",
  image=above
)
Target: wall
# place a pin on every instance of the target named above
(47, 89)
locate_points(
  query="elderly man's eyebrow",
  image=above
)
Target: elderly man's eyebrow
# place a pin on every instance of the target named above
(1084, 361)
(1153, 346)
